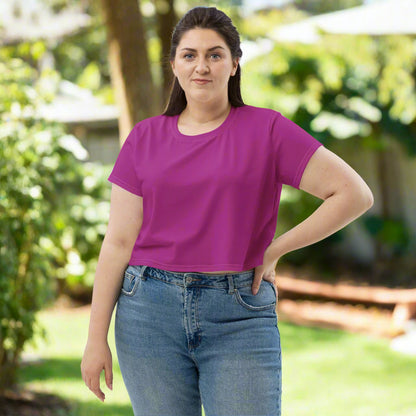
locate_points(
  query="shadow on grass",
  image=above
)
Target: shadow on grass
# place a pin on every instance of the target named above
(52, 368)
(56, 370)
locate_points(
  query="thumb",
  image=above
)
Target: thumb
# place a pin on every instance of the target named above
(108, 374)
(257, 280)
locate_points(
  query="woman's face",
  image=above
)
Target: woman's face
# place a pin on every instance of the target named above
(203, 54)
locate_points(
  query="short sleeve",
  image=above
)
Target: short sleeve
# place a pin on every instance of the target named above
(124, 173)
(294, 148)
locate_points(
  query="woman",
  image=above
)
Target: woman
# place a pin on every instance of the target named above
(189, 255)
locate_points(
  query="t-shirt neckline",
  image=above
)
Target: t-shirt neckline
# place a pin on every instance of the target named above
(207, 134)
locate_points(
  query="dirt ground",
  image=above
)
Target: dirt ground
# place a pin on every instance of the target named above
(21, 402)
(28, 403)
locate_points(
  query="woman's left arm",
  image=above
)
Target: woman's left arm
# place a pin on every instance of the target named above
(346, 196)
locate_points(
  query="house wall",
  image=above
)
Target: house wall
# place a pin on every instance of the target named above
(102, 148)
(101, 142)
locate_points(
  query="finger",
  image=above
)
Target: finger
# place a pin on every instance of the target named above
(95, 388)
(108, 375)
(277, 290)
(269, 277)
(256, 283)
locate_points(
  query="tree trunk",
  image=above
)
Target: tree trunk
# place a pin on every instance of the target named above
(129, 63)
(166, 20)
(8, 369)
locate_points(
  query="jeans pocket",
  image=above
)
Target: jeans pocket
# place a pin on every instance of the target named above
(130, 283)
(264, 299)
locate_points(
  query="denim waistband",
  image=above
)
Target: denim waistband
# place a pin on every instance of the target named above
(195, 279)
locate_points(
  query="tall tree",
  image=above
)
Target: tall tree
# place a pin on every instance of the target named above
(166, 20)
(131, 76)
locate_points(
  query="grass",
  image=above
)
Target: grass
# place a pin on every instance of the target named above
(325, 372)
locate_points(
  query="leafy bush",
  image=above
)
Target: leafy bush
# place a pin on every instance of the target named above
(346, 89)
(52, 217)
(82, 226)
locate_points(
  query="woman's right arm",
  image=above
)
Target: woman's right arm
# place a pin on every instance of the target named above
(126, 216)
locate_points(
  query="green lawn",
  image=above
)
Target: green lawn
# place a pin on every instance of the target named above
(325, 372)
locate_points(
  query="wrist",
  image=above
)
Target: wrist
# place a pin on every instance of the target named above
(96, 342)
(97, 338)
(273, 252)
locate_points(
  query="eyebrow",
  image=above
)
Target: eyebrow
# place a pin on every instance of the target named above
(210, 49)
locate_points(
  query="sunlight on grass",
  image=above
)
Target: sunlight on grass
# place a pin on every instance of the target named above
(325, 372)
(60, 371)
(329, 372)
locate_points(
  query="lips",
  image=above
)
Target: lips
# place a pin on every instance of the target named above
(201, 81)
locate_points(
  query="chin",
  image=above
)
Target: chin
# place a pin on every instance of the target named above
(201, 97)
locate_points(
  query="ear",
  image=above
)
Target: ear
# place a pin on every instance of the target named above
(235, 62)
(172, 64)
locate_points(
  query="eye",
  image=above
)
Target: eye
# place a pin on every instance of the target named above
(188, 54)
(216, 55)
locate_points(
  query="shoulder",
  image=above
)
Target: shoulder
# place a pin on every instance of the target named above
(261, 115)
(149, 126)
(151, 121)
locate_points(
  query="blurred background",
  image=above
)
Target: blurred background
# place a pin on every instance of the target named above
(77, 75)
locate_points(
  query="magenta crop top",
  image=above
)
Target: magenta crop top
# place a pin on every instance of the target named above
(210, 201)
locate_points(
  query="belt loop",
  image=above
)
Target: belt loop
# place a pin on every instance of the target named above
(142, 272)
(230, 284)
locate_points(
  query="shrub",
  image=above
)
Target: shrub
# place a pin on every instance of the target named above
(51, 216)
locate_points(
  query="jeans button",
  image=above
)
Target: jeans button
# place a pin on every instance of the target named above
(188, 279)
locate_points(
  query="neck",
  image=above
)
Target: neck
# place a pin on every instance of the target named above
(201, 113)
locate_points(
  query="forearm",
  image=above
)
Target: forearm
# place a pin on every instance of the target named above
(112, 262)
(333, 214)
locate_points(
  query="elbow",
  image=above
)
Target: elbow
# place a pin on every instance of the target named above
(121, 243)
(367, 197)
(369, 200)
(357, 196)
(122, 236)
(363, 198)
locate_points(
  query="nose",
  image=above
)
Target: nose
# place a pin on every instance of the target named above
(202, 66)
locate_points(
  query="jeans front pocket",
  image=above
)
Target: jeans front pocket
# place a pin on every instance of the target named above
(263, 300)
(130, 283)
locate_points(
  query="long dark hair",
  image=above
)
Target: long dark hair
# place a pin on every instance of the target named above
(205, 18)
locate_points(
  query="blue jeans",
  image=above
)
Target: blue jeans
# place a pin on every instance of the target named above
(189, 339)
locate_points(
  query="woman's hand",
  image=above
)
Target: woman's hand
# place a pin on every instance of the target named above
(266, 271)
(97, 357)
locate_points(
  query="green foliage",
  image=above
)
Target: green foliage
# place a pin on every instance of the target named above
(87, 50)
(389, 232)
(260, 24)
(82, 227)
(51, 216)
(342, 88)
(324, 6)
